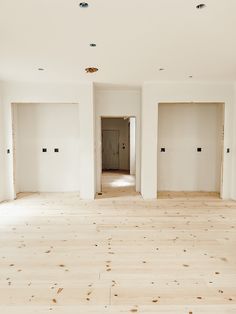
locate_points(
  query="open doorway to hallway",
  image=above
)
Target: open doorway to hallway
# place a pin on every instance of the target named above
(118, 156)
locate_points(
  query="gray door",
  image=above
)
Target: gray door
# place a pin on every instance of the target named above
(110, 149)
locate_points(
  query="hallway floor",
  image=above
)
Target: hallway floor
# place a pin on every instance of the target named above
(118, 184)
(61, 255)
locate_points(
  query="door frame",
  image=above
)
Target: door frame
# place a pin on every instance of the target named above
(99, 148)
(222, 162)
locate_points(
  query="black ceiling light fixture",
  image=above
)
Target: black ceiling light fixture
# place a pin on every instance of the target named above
(93, 45)
(40, 69)
(201, 6)
(161, 69)
(190, 76)
(84, 5)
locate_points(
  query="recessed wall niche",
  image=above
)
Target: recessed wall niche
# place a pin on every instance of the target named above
(189, 166)
(39, 136)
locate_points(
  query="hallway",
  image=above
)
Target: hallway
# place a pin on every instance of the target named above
(118, 184)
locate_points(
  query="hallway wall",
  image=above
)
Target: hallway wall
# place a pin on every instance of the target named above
(132, 145)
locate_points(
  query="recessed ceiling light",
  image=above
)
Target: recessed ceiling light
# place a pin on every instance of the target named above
(201, 6)
(91, 70)
(40, 69)
(93, 45)
(84, 5)
(161, 69)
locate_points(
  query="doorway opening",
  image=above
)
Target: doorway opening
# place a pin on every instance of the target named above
(190, 150)
(118, 154)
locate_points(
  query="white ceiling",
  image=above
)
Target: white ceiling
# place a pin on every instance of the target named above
(134, 39)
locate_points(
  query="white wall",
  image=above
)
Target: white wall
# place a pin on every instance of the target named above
(117, 103)
(2, 149)
(155, 93)
(132, 146)
(47, 126)
(54, 93)
(182, 128)
(122, 126)
(234, 149)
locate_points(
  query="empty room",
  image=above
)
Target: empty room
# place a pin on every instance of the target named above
(117, 156)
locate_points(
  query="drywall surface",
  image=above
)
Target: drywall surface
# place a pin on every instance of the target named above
(117, 103)
(122, 126)
(155, 93)
(132, 146)
(182, 130)
(51, 127)
(82, 94)
(2, 149)
(234, 149)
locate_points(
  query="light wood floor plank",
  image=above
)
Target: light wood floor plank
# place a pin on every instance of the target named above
(117, 254)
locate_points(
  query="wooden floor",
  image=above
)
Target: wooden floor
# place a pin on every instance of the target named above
(59, 254)
(188, 195)
(118, 185)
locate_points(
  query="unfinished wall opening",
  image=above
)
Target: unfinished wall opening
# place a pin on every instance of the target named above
(118, 152)
(46, 147)
(190, 149)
